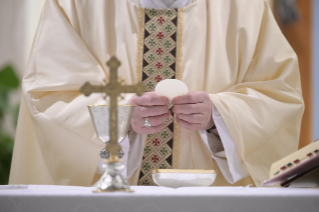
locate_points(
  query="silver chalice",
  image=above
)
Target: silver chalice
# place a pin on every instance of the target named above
(112, 178)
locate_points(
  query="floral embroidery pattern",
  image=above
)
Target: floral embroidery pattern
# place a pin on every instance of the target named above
(152, 42)
(160, 35)
(155, 159)
(167, 72)
(162, 166)
(160, 20)
(147, 150)
(153, 12)
(159, 51)
(158, 78)
(168, 28)
(146, 182)
(169, 13)
(164, 134)
(151, 57)
(163, 151)
(156, 142)
(159, 63)
(150, 71)
(152, 27)
(167, 59)
(150, 85)
(146, 166)
(168, 44)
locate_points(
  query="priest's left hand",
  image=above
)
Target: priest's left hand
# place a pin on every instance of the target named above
(194, 111)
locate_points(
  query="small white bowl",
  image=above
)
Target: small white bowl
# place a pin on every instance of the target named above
(175, 178)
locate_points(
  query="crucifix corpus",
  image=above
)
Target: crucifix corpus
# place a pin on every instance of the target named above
(113, 89)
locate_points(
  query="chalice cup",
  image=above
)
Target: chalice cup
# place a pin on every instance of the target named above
(112, 179)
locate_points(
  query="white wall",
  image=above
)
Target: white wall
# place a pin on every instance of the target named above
(18, 23)
(12, 30)
(12, 46)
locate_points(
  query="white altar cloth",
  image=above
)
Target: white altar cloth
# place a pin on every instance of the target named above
(42, 198)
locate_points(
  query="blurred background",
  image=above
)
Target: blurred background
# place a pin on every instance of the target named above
(298, 20)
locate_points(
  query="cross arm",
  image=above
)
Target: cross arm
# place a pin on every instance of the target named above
(87, 89)
(139, 89)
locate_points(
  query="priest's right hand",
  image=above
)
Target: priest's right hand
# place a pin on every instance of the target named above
(150, 106)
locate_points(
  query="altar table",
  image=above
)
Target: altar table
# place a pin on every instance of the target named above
(43, 198)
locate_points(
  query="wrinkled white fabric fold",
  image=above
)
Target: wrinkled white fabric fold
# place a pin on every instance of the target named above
(164, 4)
(228, 160)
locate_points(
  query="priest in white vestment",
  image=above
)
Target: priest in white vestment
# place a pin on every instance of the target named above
(230, 51)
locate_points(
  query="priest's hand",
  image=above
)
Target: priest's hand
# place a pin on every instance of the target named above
(149, 106)
(194, 111)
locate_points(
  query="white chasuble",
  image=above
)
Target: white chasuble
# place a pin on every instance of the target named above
(231, 49)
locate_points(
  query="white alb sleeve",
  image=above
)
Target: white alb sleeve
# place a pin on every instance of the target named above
(223, 150)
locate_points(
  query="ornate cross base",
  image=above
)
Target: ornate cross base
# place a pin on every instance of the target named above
(112, 180)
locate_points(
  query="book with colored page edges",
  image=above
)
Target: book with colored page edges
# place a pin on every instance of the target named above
(299, 169)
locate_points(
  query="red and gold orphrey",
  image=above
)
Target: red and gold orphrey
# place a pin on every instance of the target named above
(159, 61)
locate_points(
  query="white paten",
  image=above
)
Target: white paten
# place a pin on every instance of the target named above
(175, 178)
